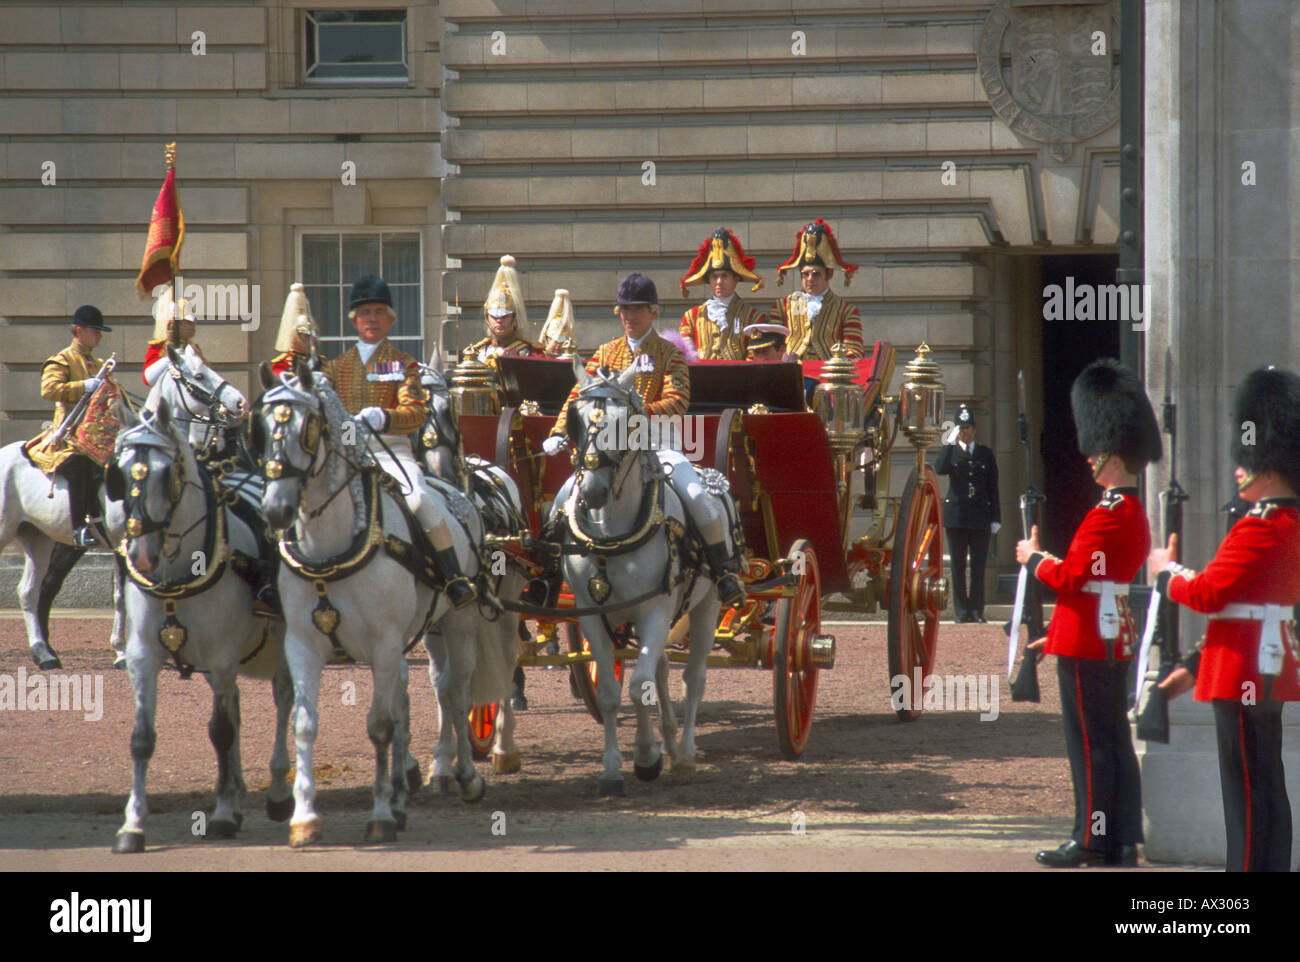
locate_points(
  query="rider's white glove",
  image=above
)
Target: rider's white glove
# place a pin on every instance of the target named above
(555, 444)
(373, 416)
(995, 526)
(92, 384)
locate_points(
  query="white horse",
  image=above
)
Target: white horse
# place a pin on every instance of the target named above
(496, 497)
(206, 403)
(350, 577)
(622, 526)
(186, 600)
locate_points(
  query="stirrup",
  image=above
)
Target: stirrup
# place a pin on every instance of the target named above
(91, 535)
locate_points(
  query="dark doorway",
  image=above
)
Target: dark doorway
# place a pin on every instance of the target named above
(1068, 347)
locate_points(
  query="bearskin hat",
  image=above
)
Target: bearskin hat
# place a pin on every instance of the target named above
(1266, 424)
(1113, 413)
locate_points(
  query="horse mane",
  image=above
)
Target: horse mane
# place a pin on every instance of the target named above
(357, 454)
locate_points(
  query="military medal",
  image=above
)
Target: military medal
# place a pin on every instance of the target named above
(386, 371)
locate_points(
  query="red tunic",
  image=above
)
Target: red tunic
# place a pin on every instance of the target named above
(157, 349)
(1111, 544)
(1257, 563)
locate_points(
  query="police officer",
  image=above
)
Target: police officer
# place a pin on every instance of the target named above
(972, 512)
(1249, 660)
(1092, 631)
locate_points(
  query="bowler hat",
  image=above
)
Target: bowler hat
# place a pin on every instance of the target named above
(636, 289)
(87, 315)
(369, 289)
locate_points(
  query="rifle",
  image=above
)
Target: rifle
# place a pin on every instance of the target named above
(1028, 598)
(1162, 614)
(77, 413)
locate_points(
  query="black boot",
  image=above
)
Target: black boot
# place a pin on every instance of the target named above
(91, 535)
(731, 590)
(459, 589)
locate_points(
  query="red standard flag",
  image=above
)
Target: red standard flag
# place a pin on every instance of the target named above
(162, 251)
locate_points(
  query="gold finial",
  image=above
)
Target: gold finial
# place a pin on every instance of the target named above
(923, 350)
(170, 155)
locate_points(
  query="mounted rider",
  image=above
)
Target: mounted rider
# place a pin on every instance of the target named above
(66, 378)
(298, 338)
(664, 384)
(817, 317)
(173, 323)
(506, 320)
(380, 385)
(717, 327)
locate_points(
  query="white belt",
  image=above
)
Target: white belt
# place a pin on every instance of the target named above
(1107, 609)
(1271, 634)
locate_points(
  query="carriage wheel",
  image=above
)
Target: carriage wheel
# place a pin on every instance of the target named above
(585, 676)
(794, 685)
(482, 729)
(918, 592)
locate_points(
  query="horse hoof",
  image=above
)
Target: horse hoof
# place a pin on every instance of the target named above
(683, 772)
(279, 811)
(506, 763)
(119, 661)
(401, 820)
(441, 784)
(649, 773)
(414, 780)
(304, 833)
(474, 789)
(223, 829)
(128, 843)
(381, 831)
(239, 821)
(610, 788)
(46, 660)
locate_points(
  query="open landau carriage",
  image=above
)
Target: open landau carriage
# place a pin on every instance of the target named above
(797, 476)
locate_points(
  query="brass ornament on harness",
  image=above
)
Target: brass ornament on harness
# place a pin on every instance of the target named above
(139, 471)
(172, 634)
(274, 469)
(282, 413)
(324, 616)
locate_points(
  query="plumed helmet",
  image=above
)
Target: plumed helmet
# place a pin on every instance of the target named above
(1113, 414)
(815, 244)
(506, 296)
(720, 251)
(559, 319)
(165, 311)
(1266, 423)
(297, 327)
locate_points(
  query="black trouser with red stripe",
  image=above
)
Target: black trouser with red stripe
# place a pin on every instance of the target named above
(1107, 782)
(1256, 811)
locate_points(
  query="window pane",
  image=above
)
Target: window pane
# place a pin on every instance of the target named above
(401, 258)
(320, 259)
(325, 307)
(406, 301)
(360, 256)
(379, 43)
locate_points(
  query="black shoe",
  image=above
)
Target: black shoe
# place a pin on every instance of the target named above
(518, 701)
(1069, 855)
(1126, 856)
(460, 592)
(731, 590)
(979, 619)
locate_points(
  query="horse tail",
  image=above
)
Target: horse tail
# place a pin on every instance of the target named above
(497, 651)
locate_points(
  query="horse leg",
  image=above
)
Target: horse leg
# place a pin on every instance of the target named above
(305, 663)
(279, 798)
(401, 742)
(118, 638)
(704, 621)
(609, 691)
(63, 558)
(223, 730)
(37, 548)
(505, 634)
(444, 753)
(645, 691)
(144, 680)
(667, 717)
(381, 721)
(455, 682)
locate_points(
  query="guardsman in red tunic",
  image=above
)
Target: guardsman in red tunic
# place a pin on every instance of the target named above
(663, 382)
(506, 320)
(1249, 661)
(817, 317)
(297, 339)
(1092, 632)
(717, 327)
(173, 322)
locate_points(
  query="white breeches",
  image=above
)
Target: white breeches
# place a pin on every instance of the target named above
(402, 466)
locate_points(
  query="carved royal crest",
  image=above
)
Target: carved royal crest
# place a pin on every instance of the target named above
(1049, 71)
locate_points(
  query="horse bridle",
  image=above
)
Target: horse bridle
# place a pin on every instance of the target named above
(588, 456)
(138, 521)
(276, 465)
(219, 417)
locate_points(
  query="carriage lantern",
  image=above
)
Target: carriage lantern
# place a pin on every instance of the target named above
(840, 401)
(920, 402)
(473, 388)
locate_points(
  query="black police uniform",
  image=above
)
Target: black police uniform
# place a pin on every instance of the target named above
(969, 510)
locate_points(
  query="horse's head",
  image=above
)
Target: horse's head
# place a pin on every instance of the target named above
(439, 438)
(152, 464)
(286, 427)
(208, 400)
(607, 425)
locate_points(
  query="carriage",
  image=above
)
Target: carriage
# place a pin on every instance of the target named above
(802, 447)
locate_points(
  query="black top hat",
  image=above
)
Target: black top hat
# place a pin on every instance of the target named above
(1113, 413)
(1266, 412)
(964, 418)
(369, 289)
(636, 289)
(87, 315)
